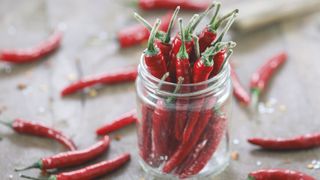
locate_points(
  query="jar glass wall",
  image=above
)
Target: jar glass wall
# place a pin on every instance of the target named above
(183, 129)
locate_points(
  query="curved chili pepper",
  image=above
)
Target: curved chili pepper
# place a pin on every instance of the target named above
(172, 4)
(212, 139)
(162, 122)
(176, 45)
(122, 121)
(238, 90)
(182, 70)
(295, 143)
(121, 76)
(278, 174)
(71, 158)
(138, 34)
(32, 54)
(153, 57)
(145, 133)
(261, 78)
(27, 127)
(201, 72)
(90, 172)
(185, 148)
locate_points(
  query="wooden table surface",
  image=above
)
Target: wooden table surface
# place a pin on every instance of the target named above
(293, 93)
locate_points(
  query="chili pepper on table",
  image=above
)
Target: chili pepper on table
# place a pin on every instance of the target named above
(212, 137)
(162, 122)
(261, 78)
(120, 76)
(278, 174)
(27, 127)
(306, 141)
(71, 158)
(238, 90)
(90, 172)
(182, 70)
(138, 34)
(122, 121)
(172, 4)
(32, 54)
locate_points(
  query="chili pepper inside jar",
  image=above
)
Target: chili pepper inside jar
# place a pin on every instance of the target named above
(201, 148)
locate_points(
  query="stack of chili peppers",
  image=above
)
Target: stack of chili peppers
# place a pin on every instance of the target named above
(169, 139)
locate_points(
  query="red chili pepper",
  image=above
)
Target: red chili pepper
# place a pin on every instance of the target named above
(145, 132)
(278, 174)
(176, 45)
(122, 121)
(36, 129)
(300, 142)
(138, 34)
(172, 4)
(162, 122)
(211, 139)
(34, 53)
(90, 172)
(153, 57)
(182, 70)
(262, 76)
(201, 72)
(71, 158)
(238, 90)
(121, 76)
(209, 33)
(186, 148)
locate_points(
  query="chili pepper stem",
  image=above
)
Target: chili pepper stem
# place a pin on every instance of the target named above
(202, 15)
(33, 166)
(152, 49)
(217, 25)
(139, 18)
(250, 178)
(167, 37)
(196, 46)
(180, 80)
(213, 19)
(8, 124)
(29, 177)
(255, 93)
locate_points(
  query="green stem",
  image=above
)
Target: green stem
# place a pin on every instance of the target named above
(182, 54)
(255, 93)
(152, 49)
(29, 177)
(196, 46)
(33, 166)
(223, 18)
(251, 178)
(8, 124)
(162, 80)
(213, 19)
(172, 20)
(147, 25)
(193, 19)
(202, 15)
(230, 52)
(226, 29)
(180, 81)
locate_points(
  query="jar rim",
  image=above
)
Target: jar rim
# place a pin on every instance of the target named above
(214, 82)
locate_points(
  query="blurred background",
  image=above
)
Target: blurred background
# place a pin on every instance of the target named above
(263, 29)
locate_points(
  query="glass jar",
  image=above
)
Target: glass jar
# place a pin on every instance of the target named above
(183, 134)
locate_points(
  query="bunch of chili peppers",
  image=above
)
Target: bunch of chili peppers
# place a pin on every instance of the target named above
(173, 140)
(70, 158)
